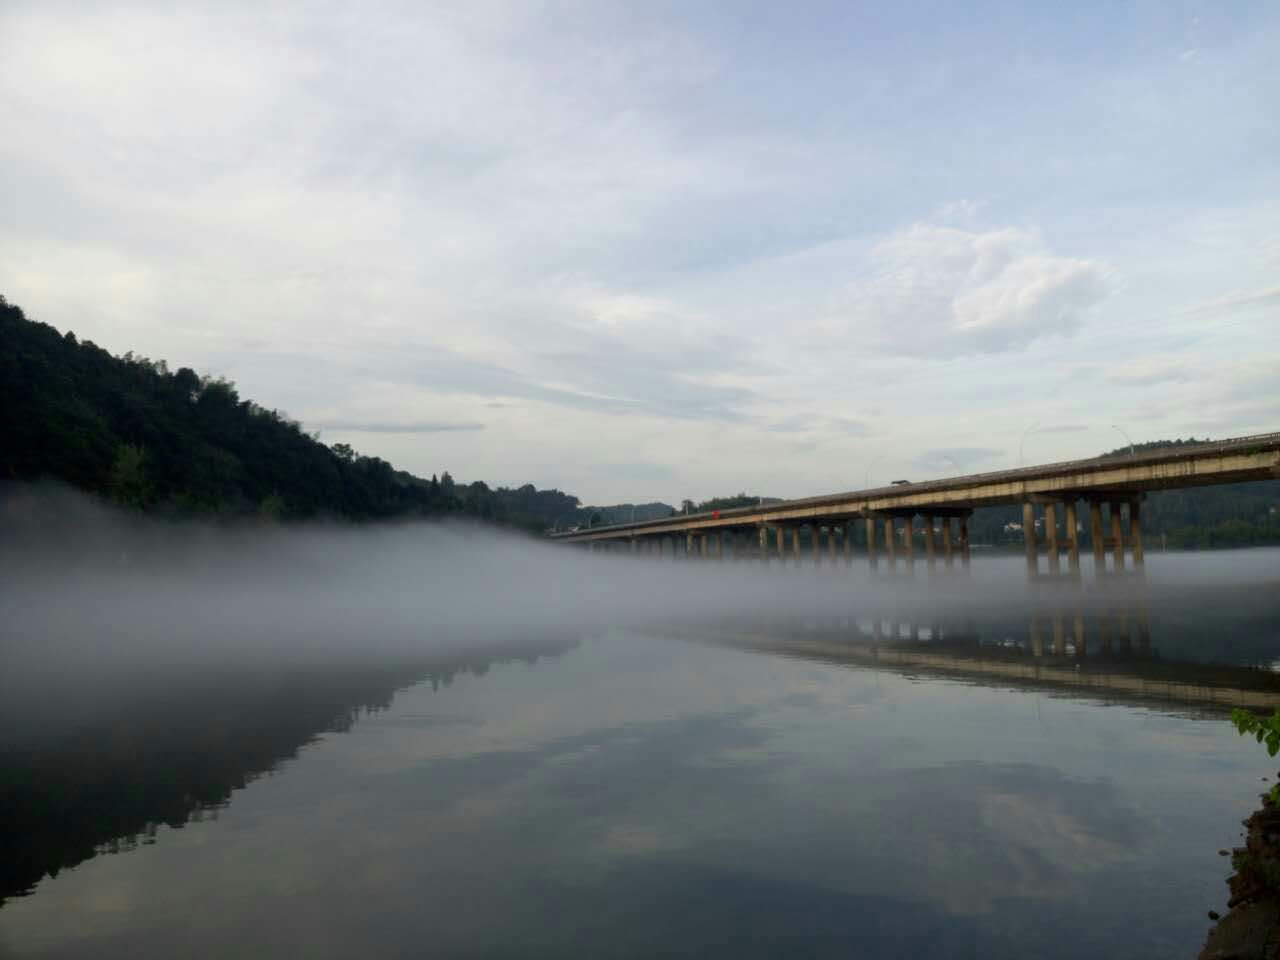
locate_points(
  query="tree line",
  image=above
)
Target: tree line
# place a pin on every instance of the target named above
(130, 429)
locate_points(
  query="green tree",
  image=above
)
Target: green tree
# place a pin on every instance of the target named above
(1267, 732)
(129, 482)
(271, 508)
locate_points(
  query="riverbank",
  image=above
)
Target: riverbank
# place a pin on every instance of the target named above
(1250, 930)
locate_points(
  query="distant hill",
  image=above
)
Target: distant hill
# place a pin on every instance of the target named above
(618, 513)
(1231, 515)
(629, 512)
(148, 437)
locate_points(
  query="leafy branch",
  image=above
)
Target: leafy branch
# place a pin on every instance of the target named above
(1265, 730)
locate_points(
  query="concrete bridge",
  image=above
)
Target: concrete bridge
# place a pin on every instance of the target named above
(901, 518)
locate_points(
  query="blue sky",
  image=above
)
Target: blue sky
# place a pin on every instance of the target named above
(658, 251)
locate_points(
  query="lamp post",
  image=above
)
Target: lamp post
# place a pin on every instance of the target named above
(1125, 435)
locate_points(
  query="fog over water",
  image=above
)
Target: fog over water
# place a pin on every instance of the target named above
(383, 738)
(85, 579)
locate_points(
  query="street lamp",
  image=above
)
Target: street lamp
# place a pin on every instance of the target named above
(1125, 435)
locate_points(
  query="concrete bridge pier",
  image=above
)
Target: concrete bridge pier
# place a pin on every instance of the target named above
(1116, 505)
(1073, 538)
(795, 545)
(890, 545)
(1117, 537)
(1051, 539)
(1135, 534)
(872, 560)
(1053, 542)
(929, 546)
(1095, 539)
(1029, 537)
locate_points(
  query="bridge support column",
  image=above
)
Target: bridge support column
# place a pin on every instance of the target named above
(1135, 535)
(848, 544)
(1095, 537)
(872, 560)
(780, 535)
(929, 548)
(946, 542)
(890, 547)
(964, 541)
(1029, 533)
(1073, 539)
(831, 544)
(1117, 537)
(1051, 539)
(795, 545)
(762, 534)
(909, 542)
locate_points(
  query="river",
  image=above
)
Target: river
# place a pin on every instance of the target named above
(622, 792)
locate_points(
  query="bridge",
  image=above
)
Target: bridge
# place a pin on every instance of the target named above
(900, 518)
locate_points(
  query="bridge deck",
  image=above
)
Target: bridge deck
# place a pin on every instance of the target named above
(1226, 461)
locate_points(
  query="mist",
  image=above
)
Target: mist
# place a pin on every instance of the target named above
(99, 602)
(150, 668)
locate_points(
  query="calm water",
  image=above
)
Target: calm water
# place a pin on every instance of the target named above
(623, 794)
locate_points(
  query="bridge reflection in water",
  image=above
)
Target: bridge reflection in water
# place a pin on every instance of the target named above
(1109, 655)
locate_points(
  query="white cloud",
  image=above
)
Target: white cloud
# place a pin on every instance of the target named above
(605, 234)
(1237, 300)
(940, 290)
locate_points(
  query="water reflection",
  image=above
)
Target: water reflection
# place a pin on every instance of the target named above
(104, 778)
(874, 786)
(1109, 654)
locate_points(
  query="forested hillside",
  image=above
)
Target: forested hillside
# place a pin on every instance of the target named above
(1231, 515)
(149, 437)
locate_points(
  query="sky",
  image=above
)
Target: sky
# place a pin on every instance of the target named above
(656, 251)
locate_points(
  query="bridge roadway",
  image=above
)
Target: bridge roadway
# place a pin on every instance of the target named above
(1117, 482)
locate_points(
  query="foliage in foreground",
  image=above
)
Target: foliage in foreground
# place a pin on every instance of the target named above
(1266, 730)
